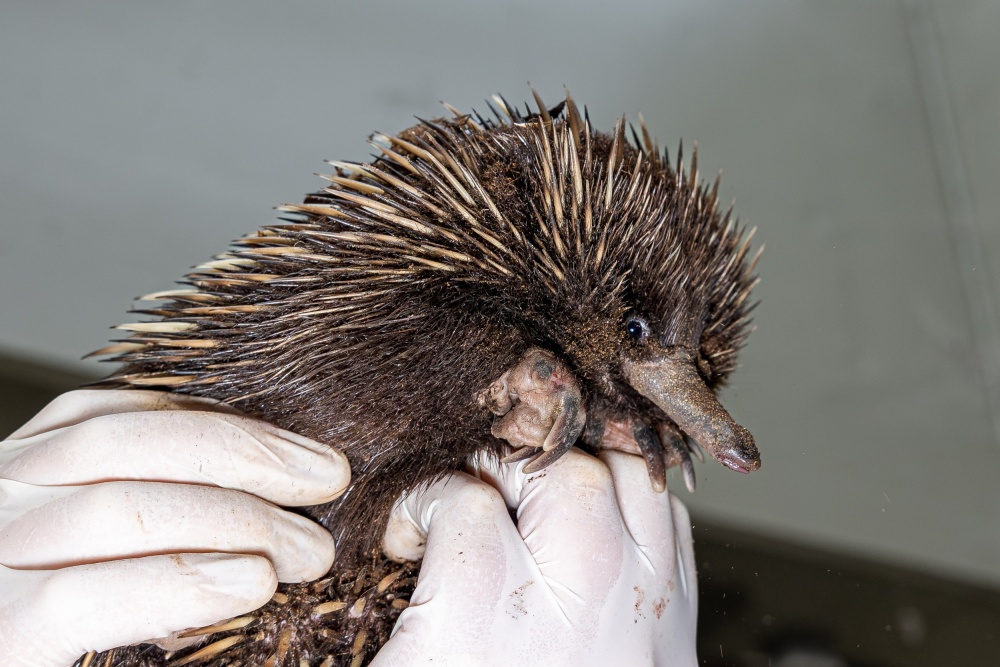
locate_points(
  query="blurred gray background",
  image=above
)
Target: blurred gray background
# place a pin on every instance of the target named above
(860, 136)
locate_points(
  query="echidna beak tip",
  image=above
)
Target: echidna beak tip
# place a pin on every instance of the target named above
(744, 459)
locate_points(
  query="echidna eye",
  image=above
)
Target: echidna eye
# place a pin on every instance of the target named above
(637, 329)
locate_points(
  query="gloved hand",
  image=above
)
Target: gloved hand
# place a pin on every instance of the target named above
(129, 515)
(599, 569)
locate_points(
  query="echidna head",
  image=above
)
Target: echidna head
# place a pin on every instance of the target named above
(651, 305)
(645, 355)
(688, 320)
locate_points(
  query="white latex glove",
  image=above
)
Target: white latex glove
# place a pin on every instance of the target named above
(129, 515)
(599, 569)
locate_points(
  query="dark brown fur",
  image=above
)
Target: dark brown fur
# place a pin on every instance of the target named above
(371, 319)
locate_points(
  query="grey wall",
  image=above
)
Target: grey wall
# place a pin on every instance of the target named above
(860, 136)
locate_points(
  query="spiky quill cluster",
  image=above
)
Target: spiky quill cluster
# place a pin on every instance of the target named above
(373, 315)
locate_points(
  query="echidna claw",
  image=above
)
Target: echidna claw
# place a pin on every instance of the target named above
(687, 469)
(519, 455)
(543, 460)
(651, 449)
(539, 408)
(694, 448)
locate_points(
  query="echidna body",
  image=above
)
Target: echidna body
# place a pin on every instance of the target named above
(391, 314)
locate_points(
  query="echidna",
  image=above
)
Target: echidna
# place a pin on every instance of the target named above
(514, 285)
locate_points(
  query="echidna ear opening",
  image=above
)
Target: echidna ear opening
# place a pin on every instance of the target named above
(670, 379)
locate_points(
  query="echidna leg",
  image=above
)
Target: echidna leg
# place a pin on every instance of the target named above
(539, 406)
(677, 448)
(652, 451)
(661, 448)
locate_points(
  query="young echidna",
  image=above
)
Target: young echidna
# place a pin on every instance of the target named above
(515, 285)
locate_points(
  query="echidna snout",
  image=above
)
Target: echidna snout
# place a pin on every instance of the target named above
(670, 380)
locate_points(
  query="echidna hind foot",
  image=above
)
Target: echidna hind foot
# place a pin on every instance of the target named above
(338, 621)
(539, 409)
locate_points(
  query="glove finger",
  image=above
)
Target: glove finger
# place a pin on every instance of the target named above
(676, 632)
(78, 406)
(104, 605)
(647, 514)
(456, 506)
(568, 517)
(181, 446)
(473, 558)
(46, 527)
(662, 575)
